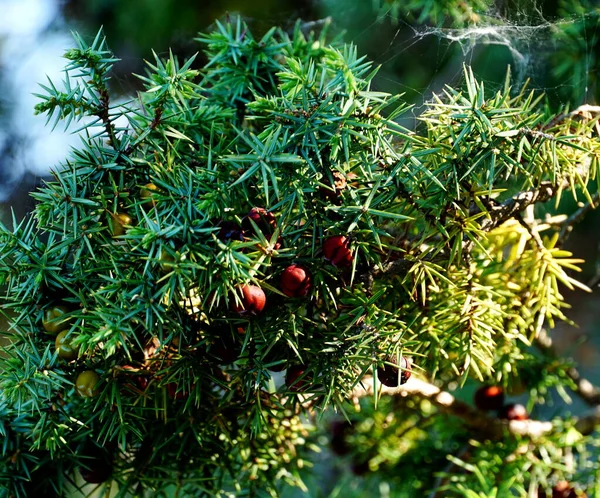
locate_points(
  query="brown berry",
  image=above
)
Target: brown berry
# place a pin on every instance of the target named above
(489, 398)
(252, 302)
(295, 281)
(513, 411)
(337, 251)
(391, 375)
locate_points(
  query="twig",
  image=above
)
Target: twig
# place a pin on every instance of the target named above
(511, 207)
(586, 111)
(103, 114)
(399, 266)
(487, 426)
(576, 217)
(586, 425)
(589, 393)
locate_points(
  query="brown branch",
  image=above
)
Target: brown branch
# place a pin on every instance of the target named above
(103, 114)
(586, 425)
(585, 111)
(515, 205)
(399, 266)
(487, 426)
(589, 393)
(576, 217)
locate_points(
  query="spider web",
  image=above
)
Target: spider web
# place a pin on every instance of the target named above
(534, 44)
(415, 60)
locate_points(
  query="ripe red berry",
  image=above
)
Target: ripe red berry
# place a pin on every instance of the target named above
(391, 375)
(293, 380)
(489, 398)
(264, 219)
(175, 393)
(253, 300)
(513, 411)
(337, 251)
(295, 281)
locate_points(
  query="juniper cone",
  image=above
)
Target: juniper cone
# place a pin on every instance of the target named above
(438, 247)
(513, 411)
(489, 398)
(252, 301)
(394, 372)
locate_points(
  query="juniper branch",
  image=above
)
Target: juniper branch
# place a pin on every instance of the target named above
(576, 217)
(518, 203)
(587, 391)
(485, 425)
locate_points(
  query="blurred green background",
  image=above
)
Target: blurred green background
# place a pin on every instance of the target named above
(554, 44)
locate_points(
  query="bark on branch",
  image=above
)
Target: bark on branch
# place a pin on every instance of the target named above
(487, 426)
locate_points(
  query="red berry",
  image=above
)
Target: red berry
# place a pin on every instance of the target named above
(253, 300)
(489, 398)
(562, 490)
(264, 219)
(293, 380)
(391, 375)
(336, 250)
(295, 281)
(513, 411)
(174, 393)
(141, 381)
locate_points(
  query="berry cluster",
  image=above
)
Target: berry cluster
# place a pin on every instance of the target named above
(489, 398)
